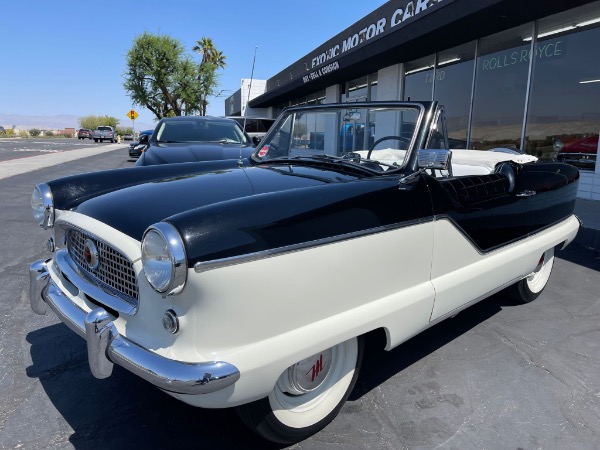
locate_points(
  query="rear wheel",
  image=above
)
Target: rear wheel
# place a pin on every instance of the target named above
(529, 288)
(307, 396)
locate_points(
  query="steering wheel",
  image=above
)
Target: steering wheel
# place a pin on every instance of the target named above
(386, 138)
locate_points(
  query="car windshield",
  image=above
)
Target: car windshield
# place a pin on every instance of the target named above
(378, 137)
(254, 125)
(226, 132)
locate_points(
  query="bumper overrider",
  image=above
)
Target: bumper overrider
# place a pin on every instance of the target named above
(107, 347)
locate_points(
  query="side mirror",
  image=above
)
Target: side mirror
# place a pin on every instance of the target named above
(428, 159)
(256, 140)
(144, 139)
(434, 159)
(351, 116)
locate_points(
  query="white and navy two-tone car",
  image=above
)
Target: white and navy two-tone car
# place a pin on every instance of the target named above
(253, 283)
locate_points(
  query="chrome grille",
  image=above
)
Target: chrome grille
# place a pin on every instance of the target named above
(114, 272)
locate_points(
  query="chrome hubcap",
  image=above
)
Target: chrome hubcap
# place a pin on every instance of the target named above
(307, 375)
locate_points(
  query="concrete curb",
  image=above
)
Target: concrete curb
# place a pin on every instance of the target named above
(20, 166)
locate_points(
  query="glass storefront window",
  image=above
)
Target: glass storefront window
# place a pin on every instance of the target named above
(453, 85)
(564, 110)
(318, 98)
(418, 79)
(373, 85)
(500, 89)
(357, 90)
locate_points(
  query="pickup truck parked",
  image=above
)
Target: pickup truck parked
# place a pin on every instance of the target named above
(104, 133)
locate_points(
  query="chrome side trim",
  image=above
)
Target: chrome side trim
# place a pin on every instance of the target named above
(204, 266)
(81, 281)
(106, 347)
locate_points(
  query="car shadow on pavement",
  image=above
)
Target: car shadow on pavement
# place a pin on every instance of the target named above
(581, 255)
(124, 411)
(380, 365)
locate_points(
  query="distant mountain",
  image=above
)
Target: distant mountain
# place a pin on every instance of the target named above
(57, 122)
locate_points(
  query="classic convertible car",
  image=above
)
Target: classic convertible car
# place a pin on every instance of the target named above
(252, 283)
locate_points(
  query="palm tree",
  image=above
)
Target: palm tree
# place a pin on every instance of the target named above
(212, 59)
(206, 47)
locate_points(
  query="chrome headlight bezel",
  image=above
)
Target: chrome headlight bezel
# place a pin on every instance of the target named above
(175, 252)
(43, 208)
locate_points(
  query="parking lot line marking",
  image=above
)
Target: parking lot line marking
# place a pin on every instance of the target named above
(26, 164)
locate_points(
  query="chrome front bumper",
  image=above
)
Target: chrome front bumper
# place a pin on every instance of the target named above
(107, 347)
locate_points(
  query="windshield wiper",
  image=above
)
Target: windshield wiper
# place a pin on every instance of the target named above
(351, 161)
(354, 160)
(225, 141)
(168, 142)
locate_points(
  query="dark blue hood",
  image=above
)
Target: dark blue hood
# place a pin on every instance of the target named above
(169, 153)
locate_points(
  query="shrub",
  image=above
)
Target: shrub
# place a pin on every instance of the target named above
(34, 132)
(49, 134)
(23, 134)
(124, 130)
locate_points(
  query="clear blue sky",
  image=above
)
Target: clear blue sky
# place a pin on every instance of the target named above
(67, 57)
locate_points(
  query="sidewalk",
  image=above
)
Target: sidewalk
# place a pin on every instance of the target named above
(589, 213)
(19, 166)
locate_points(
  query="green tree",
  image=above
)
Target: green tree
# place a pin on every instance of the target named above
(92, 122)
(212, 60)
(160, 77)
(121, 131)
(34, 132)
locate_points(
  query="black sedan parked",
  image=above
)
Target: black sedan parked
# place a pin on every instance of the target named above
(195, 138)
(137, 147)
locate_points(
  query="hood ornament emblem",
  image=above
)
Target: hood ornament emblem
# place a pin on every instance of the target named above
(90, 254)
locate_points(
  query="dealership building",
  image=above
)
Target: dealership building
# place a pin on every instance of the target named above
(514, 74)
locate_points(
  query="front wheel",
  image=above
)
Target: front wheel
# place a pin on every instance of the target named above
(307, 396)
(529, 288)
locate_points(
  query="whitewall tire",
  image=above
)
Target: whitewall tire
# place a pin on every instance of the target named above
(307, 396)
(530, 287)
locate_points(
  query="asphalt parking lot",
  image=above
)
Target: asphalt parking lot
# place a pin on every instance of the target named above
(22, 148)
(497, 376)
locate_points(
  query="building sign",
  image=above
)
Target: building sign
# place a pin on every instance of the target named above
(393, 16)
(322, 71)
(544, 50)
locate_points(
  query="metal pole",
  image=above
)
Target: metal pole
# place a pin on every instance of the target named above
(240, 163)
(472, 101)
(534, 33)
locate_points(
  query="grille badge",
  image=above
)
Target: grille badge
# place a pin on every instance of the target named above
(90, 254)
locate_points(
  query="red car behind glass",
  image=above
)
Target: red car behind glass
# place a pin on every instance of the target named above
(580, 153)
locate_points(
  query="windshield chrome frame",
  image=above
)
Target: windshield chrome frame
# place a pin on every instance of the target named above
(422, 108)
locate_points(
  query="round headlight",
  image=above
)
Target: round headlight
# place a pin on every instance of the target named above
(43, 206)
(163, 259)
